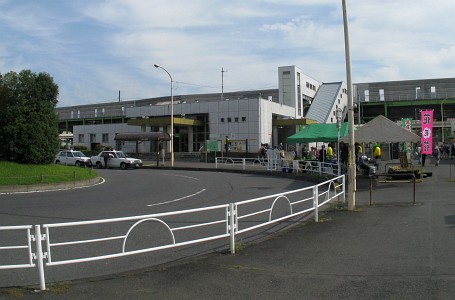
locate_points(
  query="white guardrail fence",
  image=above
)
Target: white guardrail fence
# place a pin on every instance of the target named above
(286, 165)
(73, 242)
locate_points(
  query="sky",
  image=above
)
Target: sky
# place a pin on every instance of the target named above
(95, 48)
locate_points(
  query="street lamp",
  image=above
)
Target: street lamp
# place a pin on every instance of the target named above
(351, 157)
(172, 114)
(442, 117)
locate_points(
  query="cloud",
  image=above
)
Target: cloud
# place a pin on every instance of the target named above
(95, 48)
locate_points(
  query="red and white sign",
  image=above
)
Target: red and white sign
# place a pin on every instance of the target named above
(426, 119)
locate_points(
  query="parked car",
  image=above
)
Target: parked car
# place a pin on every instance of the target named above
(72, 158)
(115, 159)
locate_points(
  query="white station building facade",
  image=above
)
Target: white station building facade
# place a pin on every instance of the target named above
(247, 118)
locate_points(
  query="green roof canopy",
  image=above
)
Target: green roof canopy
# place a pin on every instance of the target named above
(319, 133)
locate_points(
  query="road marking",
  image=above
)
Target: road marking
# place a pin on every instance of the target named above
(175, 200)
(182, 176)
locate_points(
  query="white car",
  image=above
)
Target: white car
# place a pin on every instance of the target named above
(72, 158)
(115, 159)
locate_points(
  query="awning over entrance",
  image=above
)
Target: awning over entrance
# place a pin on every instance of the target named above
(292, 122)
(143, 136)
(319, 133)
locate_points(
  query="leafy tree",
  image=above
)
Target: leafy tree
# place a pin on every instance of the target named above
(28, 121)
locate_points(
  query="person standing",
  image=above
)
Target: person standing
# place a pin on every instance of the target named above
(227, 145)
(329, 152)
(262, 154)
(436, 155)
(106, 159)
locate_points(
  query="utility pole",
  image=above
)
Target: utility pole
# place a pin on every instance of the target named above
(222, 83)
(351, 157)
(118, 95)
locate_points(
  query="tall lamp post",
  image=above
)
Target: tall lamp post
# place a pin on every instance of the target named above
(172, 114)
(351, 157)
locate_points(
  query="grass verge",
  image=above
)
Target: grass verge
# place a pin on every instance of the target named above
(22, 174)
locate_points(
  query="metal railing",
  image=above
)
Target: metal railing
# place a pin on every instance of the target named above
(402, 178)
(130, 224)
(284, 165)
(242, 163)
(27, 245)
(73, 242)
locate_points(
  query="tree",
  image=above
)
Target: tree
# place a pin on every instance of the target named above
(28, 121)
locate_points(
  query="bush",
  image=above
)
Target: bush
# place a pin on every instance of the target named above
(81, 148)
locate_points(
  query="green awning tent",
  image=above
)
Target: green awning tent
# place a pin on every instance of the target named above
(319, 133)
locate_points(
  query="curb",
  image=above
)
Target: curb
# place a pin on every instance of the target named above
(49, 187)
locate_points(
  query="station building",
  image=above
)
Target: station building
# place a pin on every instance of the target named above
(252, 118)
(247, 118)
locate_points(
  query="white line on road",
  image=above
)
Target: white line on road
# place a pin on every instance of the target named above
(175, 200)
(182, 176)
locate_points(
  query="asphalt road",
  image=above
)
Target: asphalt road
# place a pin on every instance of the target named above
(130, 193)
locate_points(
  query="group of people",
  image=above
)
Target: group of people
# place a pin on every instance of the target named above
(440, 151)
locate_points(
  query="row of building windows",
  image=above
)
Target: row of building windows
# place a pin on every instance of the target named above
(229, 120)
(311, 86)
(104, 138)
(418, 93)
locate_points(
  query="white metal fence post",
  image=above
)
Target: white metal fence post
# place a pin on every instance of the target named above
(244, 163)
(315, 203)
(40, 257)
(216, 162)
(232, 227)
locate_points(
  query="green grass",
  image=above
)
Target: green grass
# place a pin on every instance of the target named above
(22, 174)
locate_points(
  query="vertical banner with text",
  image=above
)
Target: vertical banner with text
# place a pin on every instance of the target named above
(426, 120)
(407, 124)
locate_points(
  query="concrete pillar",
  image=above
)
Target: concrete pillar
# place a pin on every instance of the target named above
(275, 141)
(190, 139)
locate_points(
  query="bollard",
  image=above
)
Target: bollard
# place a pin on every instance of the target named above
(371, 189)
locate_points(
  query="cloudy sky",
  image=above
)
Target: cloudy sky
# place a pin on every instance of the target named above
(94, 48)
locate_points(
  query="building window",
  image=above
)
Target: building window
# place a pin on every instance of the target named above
(418, 92)
(229, 120)
(381, 95)
(143, 128)
(105, 137)
(286, 72)
(92, 138)
(222, 120)
(236, 119)
(81, 138)
(243, 119)
(367, 95)
(339, 101)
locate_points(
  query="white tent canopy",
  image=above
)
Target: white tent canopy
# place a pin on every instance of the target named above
(382, 130)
